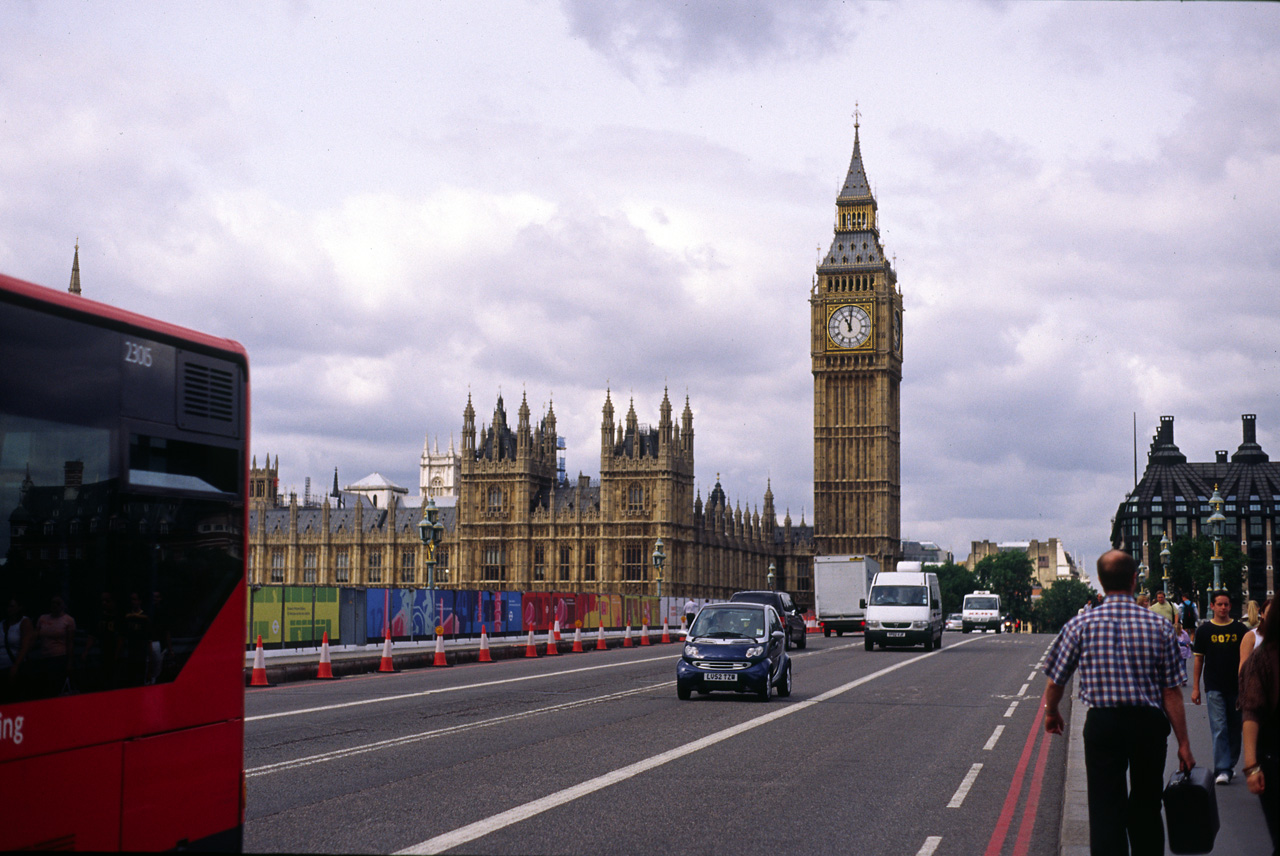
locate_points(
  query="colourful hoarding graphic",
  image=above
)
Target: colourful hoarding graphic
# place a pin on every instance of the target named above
(310, 611)
(266, 613)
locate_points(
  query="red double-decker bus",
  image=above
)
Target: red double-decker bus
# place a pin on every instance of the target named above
(123, 469)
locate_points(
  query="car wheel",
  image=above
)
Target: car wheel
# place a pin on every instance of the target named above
(839, 633)
(767, 692)
(786, 641)
(826, 632)
(928, 643)
(938, 645)
(682, 692)
(868, 644)
(804, 641)
(784, 685)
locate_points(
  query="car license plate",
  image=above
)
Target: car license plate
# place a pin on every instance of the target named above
(896, 633)
(719, 677)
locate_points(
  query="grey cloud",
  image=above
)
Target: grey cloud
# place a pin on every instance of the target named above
(678, 39)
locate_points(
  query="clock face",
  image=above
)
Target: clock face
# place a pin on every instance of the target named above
(849, 326)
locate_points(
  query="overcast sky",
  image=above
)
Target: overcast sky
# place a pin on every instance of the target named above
(394, 204)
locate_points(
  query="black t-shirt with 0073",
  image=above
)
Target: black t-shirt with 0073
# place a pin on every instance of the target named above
(1220, 646)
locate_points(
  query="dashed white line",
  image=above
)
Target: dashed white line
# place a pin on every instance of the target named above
(1023, 691)
(957, 799)
(930, 844)
(1031, 677)
(991, 741)
(1012, 707)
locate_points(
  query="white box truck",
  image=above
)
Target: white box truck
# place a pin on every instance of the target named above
(840, 585)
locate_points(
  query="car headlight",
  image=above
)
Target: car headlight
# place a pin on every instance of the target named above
(919, 625)
(755, 651)
(691, 652)
(873, 625)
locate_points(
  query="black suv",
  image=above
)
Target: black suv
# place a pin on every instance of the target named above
(797, 634)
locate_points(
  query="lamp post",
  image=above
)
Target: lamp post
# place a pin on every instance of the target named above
(1143, 572)
(659, 559)
(1215, 531)
(772, 576)
(431, 531)
(1165, 555)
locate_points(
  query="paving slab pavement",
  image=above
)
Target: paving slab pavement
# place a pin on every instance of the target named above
(1243, 829)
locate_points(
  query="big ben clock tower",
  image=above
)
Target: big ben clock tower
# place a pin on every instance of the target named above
(856, 344)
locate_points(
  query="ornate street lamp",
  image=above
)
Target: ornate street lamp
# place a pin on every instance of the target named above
(1165, 556)
(1215, 531)
(659, 559)
(1143, 571)
(431, 531)
(772, 576)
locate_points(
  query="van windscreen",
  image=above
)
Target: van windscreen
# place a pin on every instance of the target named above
(899, 596)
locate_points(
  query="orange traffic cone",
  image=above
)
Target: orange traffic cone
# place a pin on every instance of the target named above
(531, 650)
(387, 665)
(577, 641)
(644, 634)
(556, 630)
(600, 646)
(259, 678)
(326, 667)
(439, 658)
(552, 650)
(666, 633)
(484, 647)
(626, 637)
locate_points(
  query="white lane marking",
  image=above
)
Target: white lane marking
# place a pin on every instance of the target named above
(451, 689)
(1031, 677)
(347, 752)
(1023, 691)
(991, 741)
(1012, 707)
(957, 799)
(479, 829)
(930, 844)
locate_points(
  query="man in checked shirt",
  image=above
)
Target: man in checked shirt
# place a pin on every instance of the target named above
(1131, 678)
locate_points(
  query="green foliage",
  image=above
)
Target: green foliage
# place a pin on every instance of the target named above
(1191, 568)
(1010, 575)
(956, 581)
(1060, 603)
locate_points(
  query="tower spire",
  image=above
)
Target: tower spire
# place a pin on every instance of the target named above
(75, 270)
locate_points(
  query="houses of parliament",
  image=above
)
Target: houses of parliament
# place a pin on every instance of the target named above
(519, 524)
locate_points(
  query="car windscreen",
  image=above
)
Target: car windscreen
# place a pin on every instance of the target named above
(981, 603)
(728, 623)
(899, 596)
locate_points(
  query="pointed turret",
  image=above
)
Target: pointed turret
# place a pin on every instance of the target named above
(469, 427)
(606, 425)
(75, 270)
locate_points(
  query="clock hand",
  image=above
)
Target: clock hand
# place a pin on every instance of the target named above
(848, 323)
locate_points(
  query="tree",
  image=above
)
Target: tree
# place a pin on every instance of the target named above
(956, 581)
(1010, 575)
(1191, 569)
(1060, 603)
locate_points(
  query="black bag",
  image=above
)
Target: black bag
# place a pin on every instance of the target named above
(1191, 811)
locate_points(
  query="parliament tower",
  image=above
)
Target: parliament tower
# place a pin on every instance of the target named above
(856, 344)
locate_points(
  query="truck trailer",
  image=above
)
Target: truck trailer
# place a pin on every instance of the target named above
(840, 586)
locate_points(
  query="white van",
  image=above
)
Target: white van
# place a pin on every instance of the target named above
(904, 608)
(981, 612)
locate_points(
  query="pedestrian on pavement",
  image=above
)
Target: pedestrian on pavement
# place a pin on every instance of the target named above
(690, 610)
(1189, 615)
(1253, 639)
(1260, 704)
(1217, 650)
(1131, 678)
(1163, 608)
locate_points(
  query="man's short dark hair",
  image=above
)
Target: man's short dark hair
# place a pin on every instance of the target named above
(1116, 570)
(1217, 594)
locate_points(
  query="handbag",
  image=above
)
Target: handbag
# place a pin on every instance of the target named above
(1191, 810)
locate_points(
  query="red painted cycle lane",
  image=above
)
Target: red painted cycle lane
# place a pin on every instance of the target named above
(1007, 812)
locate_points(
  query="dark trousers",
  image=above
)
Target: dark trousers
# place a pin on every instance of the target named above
(1120, 740)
